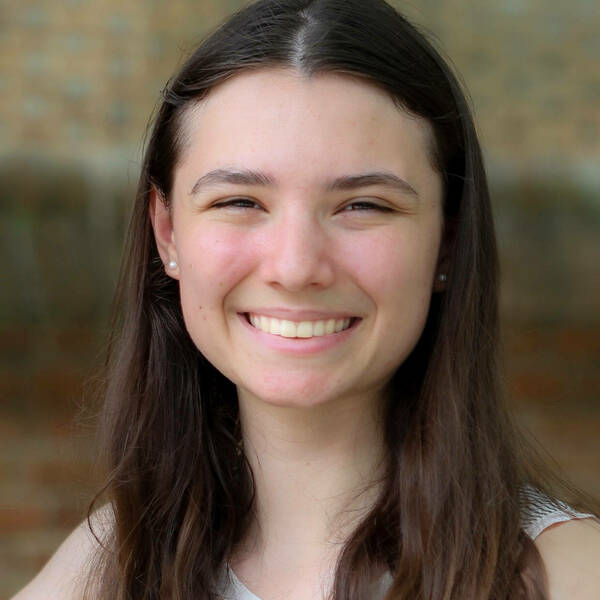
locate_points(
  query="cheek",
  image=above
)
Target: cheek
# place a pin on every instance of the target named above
(392, 265)
(396, 272)
(212, 261)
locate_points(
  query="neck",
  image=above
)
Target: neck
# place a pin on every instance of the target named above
(317, 472)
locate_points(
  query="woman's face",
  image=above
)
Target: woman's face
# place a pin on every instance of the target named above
(306, 221)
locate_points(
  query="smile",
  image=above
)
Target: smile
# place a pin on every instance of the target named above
(299, 329)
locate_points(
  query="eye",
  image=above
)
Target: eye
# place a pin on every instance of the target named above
(365, 205)
(237, 203)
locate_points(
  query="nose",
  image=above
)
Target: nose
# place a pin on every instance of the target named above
(298, 254)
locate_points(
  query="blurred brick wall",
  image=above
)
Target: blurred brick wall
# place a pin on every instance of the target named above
(80, 78)
(78, 81)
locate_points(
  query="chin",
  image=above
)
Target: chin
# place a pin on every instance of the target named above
(305, 396)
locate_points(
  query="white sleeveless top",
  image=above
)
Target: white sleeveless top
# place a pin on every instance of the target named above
(539, 512)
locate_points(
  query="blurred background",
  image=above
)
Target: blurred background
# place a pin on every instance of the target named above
(78, 81)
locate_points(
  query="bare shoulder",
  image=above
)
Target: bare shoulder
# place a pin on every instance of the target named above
(65, 574)
(571, 554)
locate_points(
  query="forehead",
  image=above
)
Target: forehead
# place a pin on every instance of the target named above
(276, 118)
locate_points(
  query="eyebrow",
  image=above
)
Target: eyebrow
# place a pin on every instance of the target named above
(383, 178)
(345, 182)
(234, 176)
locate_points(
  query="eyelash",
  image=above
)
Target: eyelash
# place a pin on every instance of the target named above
(358, 206)
(364, 205)
(243, 203)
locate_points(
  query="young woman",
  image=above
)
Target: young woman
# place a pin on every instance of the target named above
(302, 398)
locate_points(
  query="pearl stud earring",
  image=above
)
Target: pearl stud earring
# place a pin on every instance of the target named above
(172, 265)
(442, 277)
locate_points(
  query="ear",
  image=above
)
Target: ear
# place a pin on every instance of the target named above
(440, 281)
(160, 216)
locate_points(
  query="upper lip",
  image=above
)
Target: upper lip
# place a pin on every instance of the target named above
(293, 314)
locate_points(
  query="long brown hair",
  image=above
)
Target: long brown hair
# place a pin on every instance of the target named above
(447, 523)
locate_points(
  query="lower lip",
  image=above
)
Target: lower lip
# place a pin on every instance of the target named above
(298, 346)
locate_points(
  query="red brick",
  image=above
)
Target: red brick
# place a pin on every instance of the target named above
(22, 518)
(579, 342)
(537, 386)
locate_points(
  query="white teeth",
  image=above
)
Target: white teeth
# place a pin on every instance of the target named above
(264, 323)
(288, 328)
(329, 326)
(275, 326)
(302, 329)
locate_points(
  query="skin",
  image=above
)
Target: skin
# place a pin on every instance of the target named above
(310, 420)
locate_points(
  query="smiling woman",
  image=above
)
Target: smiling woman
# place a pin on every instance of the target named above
(302, 398)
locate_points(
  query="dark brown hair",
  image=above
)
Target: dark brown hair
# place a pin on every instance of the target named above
(448, 521)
